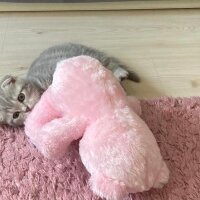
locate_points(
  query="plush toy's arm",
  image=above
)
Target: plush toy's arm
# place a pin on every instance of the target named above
(58, 134)
(49, 131)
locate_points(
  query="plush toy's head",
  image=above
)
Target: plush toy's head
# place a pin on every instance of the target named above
(82, 86)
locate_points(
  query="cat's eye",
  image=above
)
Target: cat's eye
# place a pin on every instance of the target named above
(21, 97)
(15, 115)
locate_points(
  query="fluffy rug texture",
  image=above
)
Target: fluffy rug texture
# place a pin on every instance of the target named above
(26, 175)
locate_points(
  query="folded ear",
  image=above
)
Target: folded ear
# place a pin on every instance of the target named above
(2, 122)
(7, 81)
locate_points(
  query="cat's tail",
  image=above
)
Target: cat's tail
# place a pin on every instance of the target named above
(122, 72)
(133, 77)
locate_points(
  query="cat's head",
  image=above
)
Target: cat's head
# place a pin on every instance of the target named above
(17, 99)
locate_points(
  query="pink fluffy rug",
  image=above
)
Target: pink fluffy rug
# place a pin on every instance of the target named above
(26, 175)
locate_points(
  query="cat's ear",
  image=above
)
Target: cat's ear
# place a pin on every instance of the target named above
(7, 81)
(1, 119)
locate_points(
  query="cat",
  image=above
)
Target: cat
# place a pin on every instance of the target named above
(19, 95)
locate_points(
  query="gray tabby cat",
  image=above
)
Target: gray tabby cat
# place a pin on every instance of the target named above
(18, 96)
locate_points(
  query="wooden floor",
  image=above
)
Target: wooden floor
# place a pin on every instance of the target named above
(163, 47)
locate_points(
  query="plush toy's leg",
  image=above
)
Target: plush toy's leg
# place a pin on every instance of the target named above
(163, 177)
(107, 187)
(58, 134)
(135, 105)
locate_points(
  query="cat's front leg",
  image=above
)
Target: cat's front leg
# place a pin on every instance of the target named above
(58, 134)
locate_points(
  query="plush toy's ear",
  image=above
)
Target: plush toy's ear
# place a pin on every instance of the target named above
(7, 81)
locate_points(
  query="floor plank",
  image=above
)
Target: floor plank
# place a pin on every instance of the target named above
(28, 5)
(163, 47)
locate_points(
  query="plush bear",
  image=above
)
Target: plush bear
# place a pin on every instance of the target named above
(118, 149)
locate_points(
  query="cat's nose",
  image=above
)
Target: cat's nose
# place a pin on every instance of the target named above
(28, 109)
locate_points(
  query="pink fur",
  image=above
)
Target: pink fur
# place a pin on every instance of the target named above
(118, 149)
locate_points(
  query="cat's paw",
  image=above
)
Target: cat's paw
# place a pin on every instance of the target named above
(121, 74)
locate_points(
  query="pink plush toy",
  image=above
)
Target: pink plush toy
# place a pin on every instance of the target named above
(117, 148)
